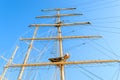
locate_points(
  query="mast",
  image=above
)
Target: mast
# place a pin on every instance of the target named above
(27, 54)
(62, 71)
(8, 63)
(58, 24)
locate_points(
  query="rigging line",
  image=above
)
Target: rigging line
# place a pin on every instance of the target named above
(96, 30)
(105, 27)
(111, 50)
(106, 31)
(103, 30)
(89, 3)
(31, 71)
(100, 21)
(103, 18)
(90, 73)
(26, 32)
(11, 50)
(99, 30)
(21, 50)
(53, 32)
(86, 74)
(35, 76)
(35, 68)
(107, 22)
(117, 56)
(69, 32)
(118, 75)
(38, 51)
(49, 31)
(48, 68)
(54, 49)
(54, 74)
(101, 51)
(83, 3)
(105, 3)
(28, 75)
(100, 8)
(74, 47)
(73, 30)
(33, 47)
(114, 75)
(43, 50)
(92, 3)
(12, 70)
(95, 9)
(101, 65)
(110, 47)
(111, 17)
(21, 53)
(46, 20)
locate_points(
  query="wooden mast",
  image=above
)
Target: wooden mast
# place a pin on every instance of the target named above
(8, 63)
(27, 55)
(59, 37)
(62, 71)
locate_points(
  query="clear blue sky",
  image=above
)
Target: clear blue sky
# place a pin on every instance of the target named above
(15, 17)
